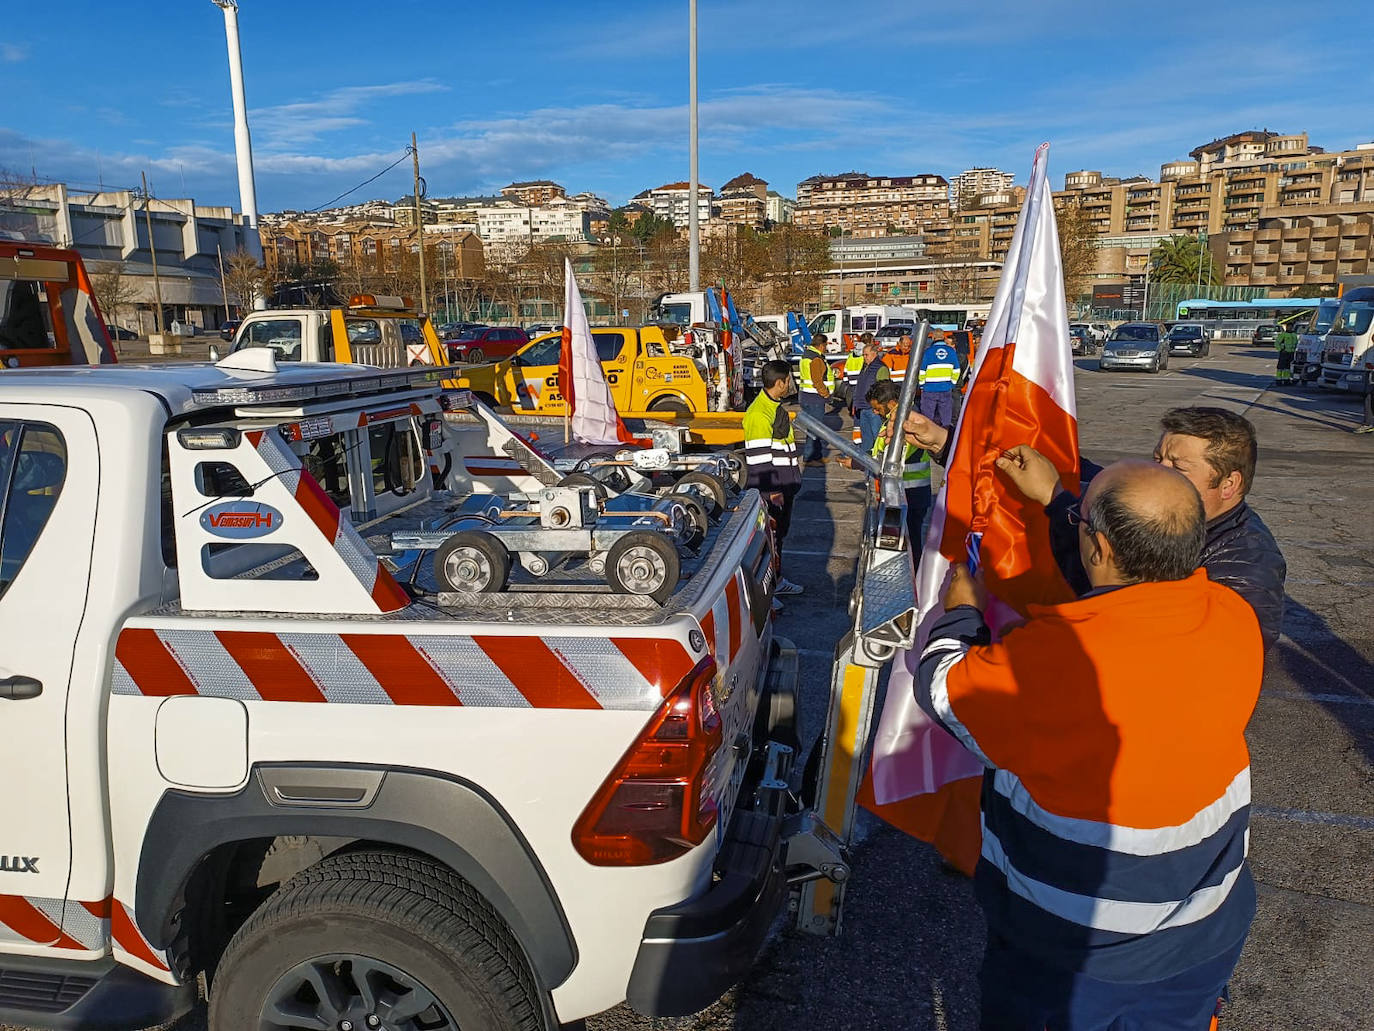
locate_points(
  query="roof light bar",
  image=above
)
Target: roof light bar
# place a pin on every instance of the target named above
(289, 389)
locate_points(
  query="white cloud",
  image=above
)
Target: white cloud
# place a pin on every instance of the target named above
(13, 53)
(286, 126)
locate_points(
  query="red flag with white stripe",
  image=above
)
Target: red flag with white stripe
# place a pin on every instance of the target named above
(581, 378)
(1022, 392)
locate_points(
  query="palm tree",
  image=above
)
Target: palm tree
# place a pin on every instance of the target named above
(1177, 260)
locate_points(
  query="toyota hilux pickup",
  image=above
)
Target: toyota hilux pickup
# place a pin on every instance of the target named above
(244, 745)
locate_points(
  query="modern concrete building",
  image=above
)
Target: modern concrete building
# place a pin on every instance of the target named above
(859, 204)
(111, 228)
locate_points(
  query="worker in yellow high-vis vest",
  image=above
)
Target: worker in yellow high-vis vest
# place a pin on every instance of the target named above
(882, 399)
(816, 379)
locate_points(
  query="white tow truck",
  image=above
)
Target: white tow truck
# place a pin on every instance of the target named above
(240, 747)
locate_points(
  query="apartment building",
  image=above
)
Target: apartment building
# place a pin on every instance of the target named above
(780, 209)
(744, 201)
(671, 201)
(376, 244)
(859, 204)
(112, 226)
(974, 183)
(534, 192)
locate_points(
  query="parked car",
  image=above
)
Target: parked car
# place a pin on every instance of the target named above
(888, 335)
(540, 328)
(1190, 339)
(1100, 331)
(120, 333)
(229, 328)
(1135, 345)
(477, 346)
(1081, 339)
(1265, 336)
(452, 330)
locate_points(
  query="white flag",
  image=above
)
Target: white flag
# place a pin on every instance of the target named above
(581, 379)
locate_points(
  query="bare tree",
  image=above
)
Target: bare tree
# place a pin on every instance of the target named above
(114, 292)
(1077, 250)
(797, 260)
(244, 279)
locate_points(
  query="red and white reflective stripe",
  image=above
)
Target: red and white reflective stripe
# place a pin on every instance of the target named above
(724, 626)
(78, 926)
(129, 940)
(322, 511)
(400, 669)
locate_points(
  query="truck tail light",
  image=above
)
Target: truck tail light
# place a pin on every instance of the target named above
(657, 804)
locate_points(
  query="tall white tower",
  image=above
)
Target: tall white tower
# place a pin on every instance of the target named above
(243, 143)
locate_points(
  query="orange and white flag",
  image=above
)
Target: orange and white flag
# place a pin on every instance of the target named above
(921, 779)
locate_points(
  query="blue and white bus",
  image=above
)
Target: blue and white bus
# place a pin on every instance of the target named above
(1238, 320)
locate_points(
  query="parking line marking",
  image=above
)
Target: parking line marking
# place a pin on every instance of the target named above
(1266, 812)
(1333, 699)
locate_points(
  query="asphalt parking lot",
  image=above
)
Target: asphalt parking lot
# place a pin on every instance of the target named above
(913, 934)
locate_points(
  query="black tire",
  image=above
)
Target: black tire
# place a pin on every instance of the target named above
(738, 468)
(670, 405)
(706, 486)
(586, 480)
(434, 935)
(1154, 367)
(1206, 350)
(698, 519)
(1100, 366)
(643, 562)
(473, 561)
(476, 356)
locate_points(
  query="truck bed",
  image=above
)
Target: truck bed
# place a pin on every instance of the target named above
(590, 601)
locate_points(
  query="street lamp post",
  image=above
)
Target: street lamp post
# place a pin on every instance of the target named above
(693, 226)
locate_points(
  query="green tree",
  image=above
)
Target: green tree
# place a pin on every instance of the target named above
(1177, 260)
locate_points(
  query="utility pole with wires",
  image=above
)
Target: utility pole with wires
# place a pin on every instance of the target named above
(152, 250)
(420, 225)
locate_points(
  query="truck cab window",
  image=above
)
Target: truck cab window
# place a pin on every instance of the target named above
(25, 322)
(282, 335)
(33, 467)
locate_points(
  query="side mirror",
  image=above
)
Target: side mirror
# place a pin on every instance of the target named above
(214, 353)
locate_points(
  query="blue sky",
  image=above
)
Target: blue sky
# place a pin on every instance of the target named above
(594, 95)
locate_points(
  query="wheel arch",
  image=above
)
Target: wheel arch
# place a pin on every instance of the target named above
(450, 820)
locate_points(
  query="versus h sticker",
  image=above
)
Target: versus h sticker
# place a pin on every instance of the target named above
(240, 521)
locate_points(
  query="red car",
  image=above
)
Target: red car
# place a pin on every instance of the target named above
(479, 345)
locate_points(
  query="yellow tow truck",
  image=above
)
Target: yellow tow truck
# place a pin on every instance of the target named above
(654, 372)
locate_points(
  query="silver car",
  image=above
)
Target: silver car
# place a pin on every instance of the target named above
(1135, 345)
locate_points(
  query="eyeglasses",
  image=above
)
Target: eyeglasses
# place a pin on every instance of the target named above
(1077, 518)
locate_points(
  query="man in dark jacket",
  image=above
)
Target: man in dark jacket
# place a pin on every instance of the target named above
(1215, 449)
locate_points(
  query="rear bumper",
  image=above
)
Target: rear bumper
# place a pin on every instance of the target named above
(693, 952)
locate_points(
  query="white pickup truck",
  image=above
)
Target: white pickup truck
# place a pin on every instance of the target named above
(239, 746)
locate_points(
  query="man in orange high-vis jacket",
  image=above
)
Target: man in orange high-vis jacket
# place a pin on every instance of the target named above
(1116, 800)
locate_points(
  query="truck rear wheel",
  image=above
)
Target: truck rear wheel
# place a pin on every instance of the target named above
(372, 941)
(643, 562)
(472, 561)
(670, 405)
